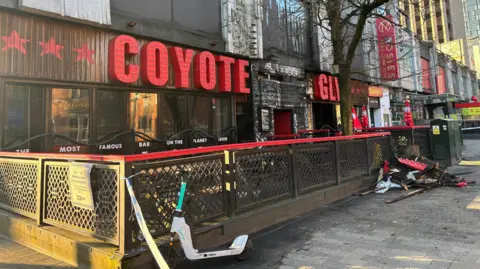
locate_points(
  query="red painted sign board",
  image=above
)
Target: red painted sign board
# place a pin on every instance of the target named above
(387, 49)
(156, 60)
(326, 88)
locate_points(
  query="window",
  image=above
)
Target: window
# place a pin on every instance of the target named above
(426, 83)
(71, 114)
(223, 123)
(143, 113)
(173, 116)
(20, 121)
(111, 113)
(441, 81)
(16, 110)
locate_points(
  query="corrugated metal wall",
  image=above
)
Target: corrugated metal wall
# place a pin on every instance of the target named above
(69, 36)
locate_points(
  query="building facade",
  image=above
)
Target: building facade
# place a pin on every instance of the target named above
(441, 21)
(114, 77)
(79, 86)
(471, 13)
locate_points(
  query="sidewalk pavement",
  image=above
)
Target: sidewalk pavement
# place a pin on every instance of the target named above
(431, 230)
(16, 256)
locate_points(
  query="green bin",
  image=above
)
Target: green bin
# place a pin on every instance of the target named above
(446, 141)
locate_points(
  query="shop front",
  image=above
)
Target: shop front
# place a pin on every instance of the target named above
(325, 107)
(279, 102)
(379, 106)
(79, 89)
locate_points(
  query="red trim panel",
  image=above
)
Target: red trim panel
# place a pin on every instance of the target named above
(313, 131)
(464, 105)
(396, 128)
(184, 152)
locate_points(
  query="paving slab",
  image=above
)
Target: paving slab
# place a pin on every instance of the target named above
(435, 229)
(16, 256)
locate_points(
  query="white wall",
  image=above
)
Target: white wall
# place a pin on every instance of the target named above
(94, 11)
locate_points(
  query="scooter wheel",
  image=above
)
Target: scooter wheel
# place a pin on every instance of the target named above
(246, 252)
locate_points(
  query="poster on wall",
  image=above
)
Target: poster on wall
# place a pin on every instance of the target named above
(265, 119)
(80, 186)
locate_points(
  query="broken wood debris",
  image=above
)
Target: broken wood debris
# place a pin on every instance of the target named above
(415, 172)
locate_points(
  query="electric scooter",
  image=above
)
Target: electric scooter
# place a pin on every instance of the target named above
(240, 248)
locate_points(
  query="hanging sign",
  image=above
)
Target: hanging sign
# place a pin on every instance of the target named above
(387, 48)
(80, 188)
(471, 111)
(375, 91)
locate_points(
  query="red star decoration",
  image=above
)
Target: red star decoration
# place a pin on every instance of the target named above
(14, 41)
(51, 47)
(85, 53)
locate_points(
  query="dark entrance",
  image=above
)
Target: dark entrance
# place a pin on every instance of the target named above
(324, 115)
(283, 122)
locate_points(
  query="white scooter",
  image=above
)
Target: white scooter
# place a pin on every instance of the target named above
(240, 248)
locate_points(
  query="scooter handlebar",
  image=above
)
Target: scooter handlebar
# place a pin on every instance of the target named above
(183, 175)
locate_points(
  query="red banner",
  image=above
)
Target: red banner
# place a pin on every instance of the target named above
(387, 48)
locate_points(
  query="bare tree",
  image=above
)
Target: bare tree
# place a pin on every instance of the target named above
(344, 21)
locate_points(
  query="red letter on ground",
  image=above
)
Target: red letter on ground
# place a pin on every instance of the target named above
(118, 48)
(225, 73)
(181, 62)
(205, 74)
(240, 76)
(154, 62)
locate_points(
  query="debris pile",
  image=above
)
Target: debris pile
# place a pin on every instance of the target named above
(413, 172)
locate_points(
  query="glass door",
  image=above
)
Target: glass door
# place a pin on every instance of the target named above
(70, 120)
(113, 136)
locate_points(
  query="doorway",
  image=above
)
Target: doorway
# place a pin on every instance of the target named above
(324, 115)
(283, 122)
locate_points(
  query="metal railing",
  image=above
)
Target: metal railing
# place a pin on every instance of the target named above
(225, 181)
(405, 136)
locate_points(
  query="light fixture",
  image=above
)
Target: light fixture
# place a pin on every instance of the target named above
(131, 24)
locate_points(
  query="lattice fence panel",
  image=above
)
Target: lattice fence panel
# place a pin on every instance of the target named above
(422, 139)
(353, 161)
(18, 186)
(401, 140)
(59, 211)
(315, 166)
(157, 191)
(262, 176)
(378, 151)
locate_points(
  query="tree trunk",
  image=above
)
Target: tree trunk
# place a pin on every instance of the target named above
(345, 100)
